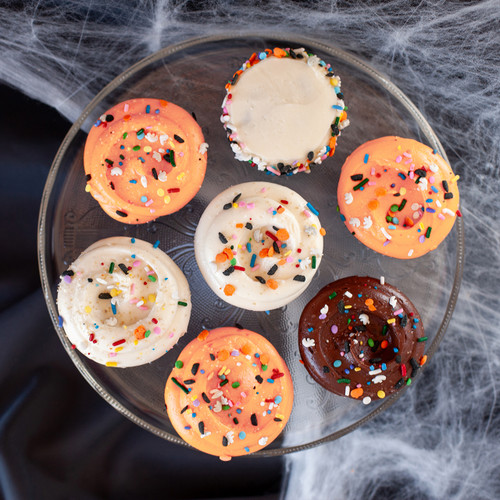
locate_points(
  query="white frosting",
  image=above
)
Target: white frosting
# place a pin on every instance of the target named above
(258, 206)
(280, 110)
(148, 299)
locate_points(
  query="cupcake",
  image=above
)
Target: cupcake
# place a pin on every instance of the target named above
(283, 111)
(398, 197)
(361, 338)
(123, 302)
(258, 245)
(144, 158)
(230, 393)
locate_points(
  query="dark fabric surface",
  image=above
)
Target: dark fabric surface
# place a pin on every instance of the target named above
(58, 438)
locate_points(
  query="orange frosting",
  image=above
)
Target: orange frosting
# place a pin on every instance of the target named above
(398, 197)
(230, 393)
(144, 158)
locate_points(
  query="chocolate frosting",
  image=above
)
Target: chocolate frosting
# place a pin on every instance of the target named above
(362, 339)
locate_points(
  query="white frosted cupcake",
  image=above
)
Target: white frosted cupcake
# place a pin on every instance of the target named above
(258, 245)
(283, 111)
(124, 302)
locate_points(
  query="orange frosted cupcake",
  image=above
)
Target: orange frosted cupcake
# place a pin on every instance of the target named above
(144, 158)
(230, 393)
(398, 197)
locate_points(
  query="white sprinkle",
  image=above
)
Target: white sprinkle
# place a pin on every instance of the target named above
(433, 168)
(157, 156)
(348, 197)
(151, 137)
(367, 222)
(393, 301)
(375, 372)
(415, 206)
(348, 294)
(385, 233)
(448, 211)
(364, 319)
(308, 342)
(324, 309)
(163, 139)
(379, 379)
(354, 221)
(101, 281)
(140, 303)
(410, 253)
(347, 390)
(203, 148)
(263, 441)
(162, 176)
(116, 171)
(367, 400)
(144, 181)
(382, 280)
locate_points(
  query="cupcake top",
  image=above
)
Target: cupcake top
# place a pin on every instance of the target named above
(283, 110)
(362, 338)
(144, 158)
(398, 197)
(258, 245)
(123, 302)
(230, 392)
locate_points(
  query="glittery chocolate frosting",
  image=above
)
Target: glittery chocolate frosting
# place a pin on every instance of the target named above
(362, 338)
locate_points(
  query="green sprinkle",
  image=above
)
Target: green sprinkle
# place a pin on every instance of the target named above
(338, 208)
(349, 321)
(402, 205)
(394, 208)
(124, 136)
(151, 278)
(136, 148)
(264, 368)
(122, 157)
(236, 421)
(371, 343)
(344, 380)
(226, 407)
(180, 303)
(313, 264)
(179, 364)
(140, 131)
(428, 232)
(422, 339)
(172, 159)
(178, 384)
(408, 382)
(110, 162)
(360, 185)
(147, 333)
(334, 294)
(233, 261)
(384, 329)
(235, 385)
(111, 268)
(224, 382)
(388, 218)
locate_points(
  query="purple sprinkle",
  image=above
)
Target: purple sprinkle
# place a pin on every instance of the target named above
(322, 316)
(67, 279)
(335, 328)
(235, 353)
(421, 238)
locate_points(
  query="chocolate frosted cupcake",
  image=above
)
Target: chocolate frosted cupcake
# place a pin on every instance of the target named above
(362, 338)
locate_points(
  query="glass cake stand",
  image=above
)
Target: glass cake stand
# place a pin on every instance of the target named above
(192, 74)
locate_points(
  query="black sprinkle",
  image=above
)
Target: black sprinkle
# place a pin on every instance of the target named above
(448, 196)
(189, 381)
(105, 296)
(123, 267)
(300, 56)
(240, 327)
(445, 186)
(414, 364)
(253, 419)
(326, 369)
(178, 139)
(275, 228)
(155, 173)
(335, 130)
(404, 321)
(329, 74)
(259, 379)
(222, 238)
(194, 115)
(227, 206)
(276, 248)
(228, 271)
(420, 172)
(248, 225)
(235, 78)
(340, 95)
(112, 186)
(88, 177)
(194, 368)
(90, 280)
(69, 272)
(235, 420)
(375, 360)
(201, 428)
(225, 442)
(341, 306)
(360, 328)
(357, 177)
(399, 383)
(276, 419)
(109, 118)
(212, 357)
(293, 55)
(184, 409)
(347, 346)
(299, 277)
(205, 397)
(121, 214)
(261, 279)
(398, 359)
(236, 198)
(272, 270)
(280, 166)
(310, 155)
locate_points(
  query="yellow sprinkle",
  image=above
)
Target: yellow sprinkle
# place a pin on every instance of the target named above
(88, 309)
(87, 188)
(421, 226)
(111, 363)
(193, 397)
(239, 246)
(181, 176)
(278, 415)
(288, 253)
(152, 298)
(390, 321)
(381, 394)
(235, 205)
(399, 147)
(171, 144)
(136, 342)
(167, 199)
(357, 369)
(347, 307)
(160, 192)
(189, 411)
(118, 349)
(455, 179)
(114, 292)
(147, 149)
(334, 82)
(227, 372)
(402, 191)
(222, 370)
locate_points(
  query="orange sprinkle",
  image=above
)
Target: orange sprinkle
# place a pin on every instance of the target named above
(263, 253)
(220, 258)
(279, 52)
(343, 116)
(423, 360)
(356, 393)
(369, 302)
(322, 231)
(332, 143)
(239, 225)
(126, 118)
(373, 204)
(228, 252)
(372, 308)
(270, 252)
(264, 359)
(222, 355)
(408, 222)
(380, 191)
(282, 234)
(282, 262)
(229, 290)
(384, 344)
(246, 349)
(139, 332)
(280, 209)
(273, 284)
(203, 335)
(163, 103)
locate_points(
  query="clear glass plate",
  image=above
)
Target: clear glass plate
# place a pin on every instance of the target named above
(192, 74)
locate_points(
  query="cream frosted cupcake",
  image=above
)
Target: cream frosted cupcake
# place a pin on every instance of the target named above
(258, 245)
(283, 111)
(123, 302)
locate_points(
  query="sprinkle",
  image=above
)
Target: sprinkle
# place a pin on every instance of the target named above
(179, 364)
(312, 209)
(222, 238)
(181, 303)
(313, 262)
(422, 339)
(178, 384)
(360, 185)
(253, 419)
(344, 381)
(157, 244)
(365, 159)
